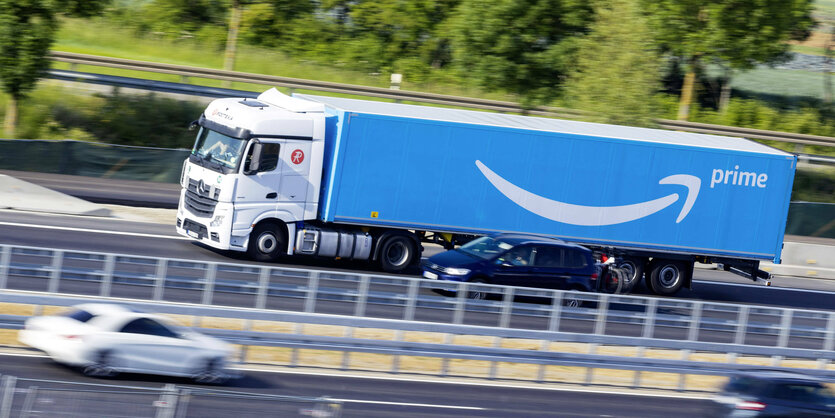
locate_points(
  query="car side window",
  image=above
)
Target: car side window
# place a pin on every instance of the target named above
(148, 327)
(518, 256)
(547, 256)
(79, 315)
(574, 259)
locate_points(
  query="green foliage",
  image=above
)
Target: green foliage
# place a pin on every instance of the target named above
(616, 73)
(26, 32)
(521, 46)
(814, 184)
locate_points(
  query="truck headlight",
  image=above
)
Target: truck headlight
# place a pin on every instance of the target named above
(456, 271)
(217, 221)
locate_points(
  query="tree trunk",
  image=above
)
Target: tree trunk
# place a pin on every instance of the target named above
(232, 39)
(686, 94)
(10, 124)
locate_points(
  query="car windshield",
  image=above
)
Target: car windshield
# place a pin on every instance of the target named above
(485, 247)
(807, 393)
(218, 149)
(79, 315)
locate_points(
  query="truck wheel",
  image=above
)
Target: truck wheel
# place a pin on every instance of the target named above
(633, 270)
(397, 253)
(667, 277)
(266, 242)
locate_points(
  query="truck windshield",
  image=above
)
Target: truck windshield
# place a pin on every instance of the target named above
(485, 247)
(219, 151)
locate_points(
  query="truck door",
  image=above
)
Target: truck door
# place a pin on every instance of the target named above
(294, 167)
(256, 192)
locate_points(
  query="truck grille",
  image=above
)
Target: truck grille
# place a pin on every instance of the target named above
(201, 199)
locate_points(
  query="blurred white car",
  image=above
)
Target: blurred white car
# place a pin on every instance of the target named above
(105, 339)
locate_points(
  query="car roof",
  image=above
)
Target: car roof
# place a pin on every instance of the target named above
(516, 238)
(779, 375)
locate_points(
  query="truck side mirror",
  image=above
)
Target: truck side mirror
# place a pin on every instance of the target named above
(254, 158)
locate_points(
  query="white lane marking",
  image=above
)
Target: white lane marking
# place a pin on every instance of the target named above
(96, 231)
(422, 405)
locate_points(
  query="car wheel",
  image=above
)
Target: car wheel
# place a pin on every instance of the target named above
(211, 373)
(102, 366)
(397, 253)
(613, 280)
(633, 272)
(477, 294)
(266, 242)
(666, 277)
(571, 300)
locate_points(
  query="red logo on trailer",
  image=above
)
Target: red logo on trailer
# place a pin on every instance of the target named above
(297, 156)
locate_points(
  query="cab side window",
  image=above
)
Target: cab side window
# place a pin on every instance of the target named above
(269, 157)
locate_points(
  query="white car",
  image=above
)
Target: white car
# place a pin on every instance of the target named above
(105, 339)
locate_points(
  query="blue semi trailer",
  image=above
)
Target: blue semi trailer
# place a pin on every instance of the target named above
(367, 180)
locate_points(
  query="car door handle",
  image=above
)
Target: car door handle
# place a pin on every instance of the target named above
(272, 195)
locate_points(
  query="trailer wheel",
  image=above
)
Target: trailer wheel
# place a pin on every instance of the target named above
(397, 253)
(266, 242)
(666, 277)
(633, 270)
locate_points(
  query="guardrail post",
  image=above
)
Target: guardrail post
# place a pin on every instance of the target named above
(263, 288)
(160, 275)
(829, 341)
(741, 325)
(29, 401)
(695, 321)
(209, 285)
(359, 309)
(5, 261)
(507, 307)
(646, 332)
(312, 290)
(553, 326)
(107, 275)
(785, 332)
(460, 302)
(8, 395)
(167, 403)
(55, 274)
(411, 301)
(602, 313)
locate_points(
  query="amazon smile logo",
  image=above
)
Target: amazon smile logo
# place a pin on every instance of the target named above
(594, 215)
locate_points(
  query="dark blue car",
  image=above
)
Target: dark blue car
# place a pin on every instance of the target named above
(517, 260)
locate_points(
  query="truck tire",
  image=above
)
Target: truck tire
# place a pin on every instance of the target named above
(267, 242)
(397, 253)
(666, 277)
(633, 269)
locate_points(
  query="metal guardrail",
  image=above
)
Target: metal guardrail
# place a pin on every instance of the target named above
(21, 397)
(409, 304)
(379, 92)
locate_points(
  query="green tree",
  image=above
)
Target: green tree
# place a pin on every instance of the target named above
(617, 72)
(27, 29)
(736, 33)
(521, 46)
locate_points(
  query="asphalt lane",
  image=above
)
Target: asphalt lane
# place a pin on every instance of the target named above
(403, 397)
(92, 234)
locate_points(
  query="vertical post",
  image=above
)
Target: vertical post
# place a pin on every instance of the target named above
(460, 303)
(602, 313)
(55, 274)
(649, 322)
(160, 275)
(507, 307)
(742, 325)
(359, 309)
(312, 290)
(209, 285)
(829, 340)
(785, 332)
(5, 260)
(553, 326)
(263, 288)
(695, 321)
(167, 406)
(29, 401)
(411, 302)
(107, 275)
(182, 403)
(8, 394)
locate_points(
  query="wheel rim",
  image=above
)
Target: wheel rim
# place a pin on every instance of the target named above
(572, 303)
(397, 253)
(267, 243)
(629, 269)
(668, 276)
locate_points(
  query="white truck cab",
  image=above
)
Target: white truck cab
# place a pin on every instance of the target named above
(253, 161)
